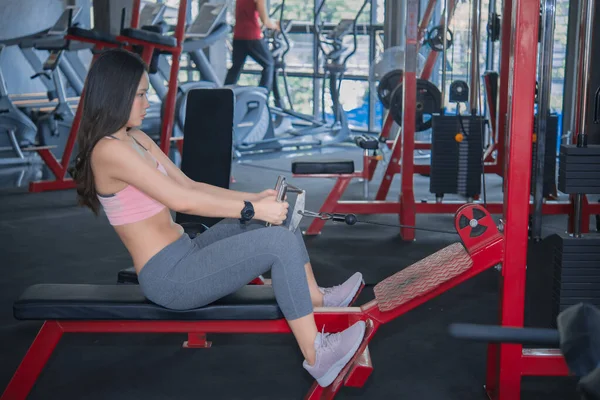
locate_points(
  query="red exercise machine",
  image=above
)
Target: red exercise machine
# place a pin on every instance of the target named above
(402, 155)
(129, 38)
(123, 309)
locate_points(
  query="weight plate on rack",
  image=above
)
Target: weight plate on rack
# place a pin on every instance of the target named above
(429, 101)
(387, 85)
(435, 38)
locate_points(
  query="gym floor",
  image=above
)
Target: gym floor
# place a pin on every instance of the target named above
(46, 238)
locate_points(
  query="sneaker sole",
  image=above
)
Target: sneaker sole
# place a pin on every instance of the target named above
(354, 294)
(334, 371)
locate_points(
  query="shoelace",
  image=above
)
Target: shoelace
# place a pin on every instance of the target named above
(328, 340)
(329, 290)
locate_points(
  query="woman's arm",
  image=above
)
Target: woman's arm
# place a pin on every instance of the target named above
(261, 6)
(121, 162)
(181, 178)
(226, 193)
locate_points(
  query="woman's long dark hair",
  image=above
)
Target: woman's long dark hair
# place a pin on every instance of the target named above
(110, 89)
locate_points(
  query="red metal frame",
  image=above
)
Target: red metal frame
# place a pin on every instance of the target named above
(507, 363)
(60, 169)
(406, 207)
(481, 253)
(433, 55)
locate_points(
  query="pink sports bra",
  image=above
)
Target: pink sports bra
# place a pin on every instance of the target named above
(131, 205)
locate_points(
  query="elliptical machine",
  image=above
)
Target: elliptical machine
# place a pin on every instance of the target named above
(251, 112)
(318, 131)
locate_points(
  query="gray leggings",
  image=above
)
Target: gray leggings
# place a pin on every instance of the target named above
(191, 273)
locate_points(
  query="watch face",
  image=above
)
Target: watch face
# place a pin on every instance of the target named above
(248, 212)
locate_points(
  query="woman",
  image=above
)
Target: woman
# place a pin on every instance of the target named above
(248, 41)
(124, 171)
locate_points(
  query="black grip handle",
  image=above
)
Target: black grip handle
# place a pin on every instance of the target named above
(499, 334)
(366, 142)
(45, 74)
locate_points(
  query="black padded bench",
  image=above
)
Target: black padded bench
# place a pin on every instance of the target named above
(127, 302)
(149, 36)
(68, 308)
(334, 167)
(322, 167)
(91, 34)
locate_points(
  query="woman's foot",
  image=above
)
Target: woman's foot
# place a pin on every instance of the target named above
(333, 352)
(343, 295)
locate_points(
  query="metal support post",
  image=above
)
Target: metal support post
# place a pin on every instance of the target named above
(505, 364)
(544, 90)
(407, 197)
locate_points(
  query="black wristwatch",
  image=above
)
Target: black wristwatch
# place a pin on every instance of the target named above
(247, 212)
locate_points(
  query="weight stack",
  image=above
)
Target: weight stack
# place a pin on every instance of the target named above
(456, 165)
(579, 169)
(576, 266)
(550, 159)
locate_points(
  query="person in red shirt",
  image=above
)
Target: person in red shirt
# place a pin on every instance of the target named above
(248, 41)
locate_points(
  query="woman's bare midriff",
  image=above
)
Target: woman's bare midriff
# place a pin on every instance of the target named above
(146, 238)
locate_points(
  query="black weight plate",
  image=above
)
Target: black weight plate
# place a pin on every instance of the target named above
(387, 85)
(429, 101)
(435, 38)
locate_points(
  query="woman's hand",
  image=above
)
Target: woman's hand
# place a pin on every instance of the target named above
(268, 209)
(265, 193)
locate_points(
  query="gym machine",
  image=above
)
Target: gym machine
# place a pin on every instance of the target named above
(252, 116)
(456, 148)
(70, 66)
(199, 35)
(577, 336)
(135, 39)
(402, 152)
(17, 131)
(483, 245)
(294, 129)
(21, 116)
(252, 119)
(568, 262)
(54, 126)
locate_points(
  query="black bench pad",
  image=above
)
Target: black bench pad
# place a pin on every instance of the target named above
(127, 302)
(148, 36)
(93, 35)
(323, 167)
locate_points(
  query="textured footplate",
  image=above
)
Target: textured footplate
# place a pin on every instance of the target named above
(422, 277)
(323, 167)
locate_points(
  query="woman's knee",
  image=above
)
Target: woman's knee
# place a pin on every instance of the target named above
(282, 239)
